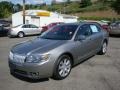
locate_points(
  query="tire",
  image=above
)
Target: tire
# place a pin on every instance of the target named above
(63, 67)
(103, 48)
(21, 34)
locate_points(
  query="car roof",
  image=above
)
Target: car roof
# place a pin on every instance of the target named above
(81, 23)
(27, 24)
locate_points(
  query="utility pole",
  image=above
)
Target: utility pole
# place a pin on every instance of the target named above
(64, 7)
(23, 11)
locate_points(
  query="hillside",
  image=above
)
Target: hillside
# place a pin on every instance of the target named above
(98, 15)
(97, 10)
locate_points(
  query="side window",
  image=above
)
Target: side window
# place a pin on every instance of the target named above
(25, 26)
(94, 29)
(33, 26)
(84, 30)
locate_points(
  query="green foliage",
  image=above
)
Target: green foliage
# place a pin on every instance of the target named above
(94, 7)
(17, 8)
(5, 9)
(85, 3)
(116, 6)
(68, 1)
(74, 7)
(98, 18)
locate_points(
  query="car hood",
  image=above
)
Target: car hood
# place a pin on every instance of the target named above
(37, 46)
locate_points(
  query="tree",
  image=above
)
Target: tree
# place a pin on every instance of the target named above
(103, 1)
(85, 3)
(6, 9)
(17, 8)
(116, 6)
(68, 1)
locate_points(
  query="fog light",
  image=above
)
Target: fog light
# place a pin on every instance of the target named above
(34, 74)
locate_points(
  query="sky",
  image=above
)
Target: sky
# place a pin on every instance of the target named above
(34, 1)
(28, 1)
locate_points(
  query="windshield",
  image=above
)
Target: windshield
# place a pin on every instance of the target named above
(60, 32)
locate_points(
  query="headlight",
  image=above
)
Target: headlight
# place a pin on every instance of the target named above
(37, 58)
(11, 55)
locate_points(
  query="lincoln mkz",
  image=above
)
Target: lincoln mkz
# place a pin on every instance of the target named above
(57, 50)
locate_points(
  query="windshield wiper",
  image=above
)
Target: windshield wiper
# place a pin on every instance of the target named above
(47, 38)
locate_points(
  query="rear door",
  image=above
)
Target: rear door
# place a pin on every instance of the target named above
(96, 37)
(34, 29)
(26, 29)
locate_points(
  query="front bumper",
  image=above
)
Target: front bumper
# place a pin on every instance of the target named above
(33, 71)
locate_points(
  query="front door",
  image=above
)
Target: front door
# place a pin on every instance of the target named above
(83, 47)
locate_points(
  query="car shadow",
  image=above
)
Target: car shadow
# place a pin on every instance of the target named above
(115, 36)
(83, 61)
(3, 35)
(29, 79)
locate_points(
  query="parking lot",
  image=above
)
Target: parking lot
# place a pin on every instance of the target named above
(97, 73)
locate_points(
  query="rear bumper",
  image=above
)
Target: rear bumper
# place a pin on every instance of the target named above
(12, 33)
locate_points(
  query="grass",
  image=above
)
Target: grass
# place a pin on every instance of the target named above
(98, 15)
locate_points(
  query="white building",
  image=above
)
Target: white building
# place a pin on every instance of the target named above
(41, 18)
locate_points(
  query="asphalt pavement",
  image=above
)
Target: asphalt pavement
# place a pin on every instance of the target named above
(100, 72)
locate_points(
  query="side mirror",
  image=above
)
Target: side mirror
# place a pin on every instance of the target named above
(81, 37)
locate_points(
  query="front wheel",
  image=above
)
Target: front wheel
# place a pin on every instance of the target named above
(103, 49)
(63, 67)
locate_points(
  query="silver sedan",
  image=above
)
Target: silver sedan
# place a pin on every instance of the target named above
(115, 28)
(55, 52)
(24, 29)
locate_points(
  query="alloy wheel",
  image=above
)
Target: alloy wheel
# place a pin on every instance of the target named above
(64, 67)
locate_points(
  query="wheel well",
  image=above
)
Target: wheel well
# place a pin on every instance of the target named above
(71, 56)
(72, 60)
(21, 32)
